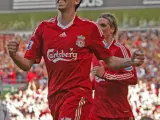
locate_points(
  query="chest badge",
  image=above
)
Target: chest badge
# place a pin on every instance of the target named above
(80, 42)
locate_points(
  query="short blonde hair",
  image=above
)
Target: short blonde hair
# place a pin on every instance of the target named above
(112, 21)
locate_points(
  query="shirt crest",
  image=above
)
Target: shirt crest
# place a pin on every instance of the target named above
(80, 42)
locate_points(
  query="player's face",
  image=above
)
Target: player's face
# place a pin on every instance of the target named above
(105, 26)
(66, 4)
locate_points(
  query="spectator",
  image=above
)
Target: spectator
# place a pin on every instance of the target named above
(144, 97)
(146, 118)
(4, 113)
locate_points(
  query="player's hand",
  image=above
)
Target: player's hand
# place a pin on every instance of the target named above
(13, 46)
(98, 70)
(138, 58)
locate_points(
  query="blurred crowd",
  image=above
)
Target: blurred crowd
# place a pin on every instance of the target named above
(10, 72)
(125, 23)
(144, 97)
(31, 104)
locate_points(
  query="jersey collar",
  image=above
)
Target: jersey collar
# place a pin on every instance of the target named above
(66, 26)
(113, 41)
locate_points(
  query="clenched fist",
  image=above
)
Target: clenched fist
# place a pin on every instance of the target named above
(98, 70)
(138, 58)
(13, 46)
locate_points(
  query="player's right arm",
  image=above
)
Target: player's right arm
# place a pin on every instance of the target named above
(23, 63)
(129, 78)
(33, 53)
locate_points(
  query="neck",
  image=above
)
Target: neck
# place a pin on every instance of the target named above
(65, 17)
(109, 39)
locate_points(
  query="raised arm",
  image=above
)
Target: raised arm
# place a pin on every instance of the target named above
(120, 63)
(23, 63)
(126, 76)
(33, 53)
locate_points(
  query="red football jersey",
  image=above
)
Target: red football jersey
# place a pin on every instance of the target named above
(67, 51)
(111, 95)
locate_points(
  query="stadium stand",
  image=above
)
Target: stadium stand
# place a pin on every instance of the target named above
(33, 4)
(31, 103)
(151, 2)
(25, 93)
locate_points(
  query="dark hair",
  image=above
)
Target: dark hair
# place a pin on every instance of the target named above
(77, 6)
(112, 21)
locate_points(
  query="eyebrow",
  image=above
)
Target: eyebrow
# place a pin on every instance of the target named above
(102, 24)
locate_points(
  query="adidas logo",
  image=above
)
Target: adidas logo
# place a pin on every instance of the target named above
(63, 35)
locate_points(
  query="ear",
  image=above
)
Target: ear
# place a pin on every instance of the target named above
(112, 30)
(77, 2)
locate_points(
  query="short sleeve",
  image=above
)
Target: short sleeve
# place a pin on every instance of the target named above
(130, 78)
(124, 52)
(98, 44)
(34, 49)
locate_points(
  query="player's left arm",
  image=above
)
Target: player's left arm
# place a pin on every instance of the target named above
(128, 75)
(98, 46)
(120, 63)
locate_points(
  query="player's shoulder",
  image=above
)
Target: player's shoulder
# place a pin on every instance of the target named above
(87, 21)
(121, 49)
(91, 25)
(120, 46)
(43, 24)
(46, 22)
